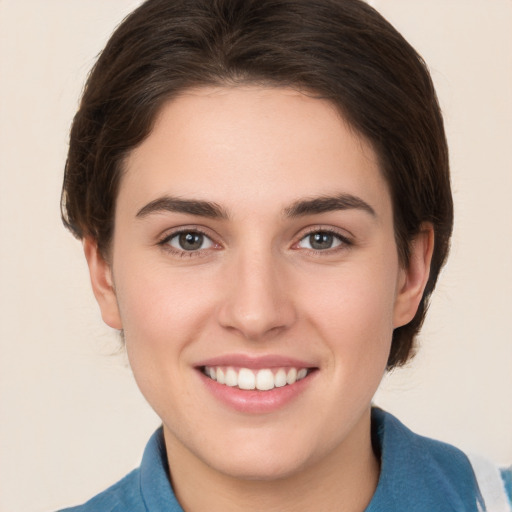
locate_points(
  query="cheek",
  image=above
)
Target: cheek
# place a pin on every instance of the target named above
(353, 311)
(356, 299)
(160, 309)
(167, 313)
(163, 316)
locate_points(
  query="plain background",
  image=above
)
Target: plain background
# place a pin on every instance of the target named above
(71, 419)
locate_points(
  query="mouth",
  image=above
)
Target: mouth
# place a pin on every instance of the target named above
(260, 384)
(262, 379)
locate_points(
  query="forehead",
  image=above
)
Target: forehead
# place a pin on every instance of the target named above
(250, 147)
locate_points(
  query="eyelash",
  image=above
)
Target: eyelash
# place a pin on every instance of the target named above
(344, 242)
(182, 253)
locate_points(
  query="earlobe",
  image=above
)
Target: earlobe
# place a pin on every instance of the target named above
(414, 278)
(102, 284)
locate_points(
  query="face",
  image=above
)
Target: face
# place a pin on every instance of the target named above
(255, 274)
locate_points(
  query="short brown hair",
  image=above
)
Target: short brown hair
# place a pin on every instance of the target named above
(341, 50)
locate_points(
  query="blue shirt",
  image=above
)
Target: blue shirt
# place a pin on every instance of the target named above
(417, 475)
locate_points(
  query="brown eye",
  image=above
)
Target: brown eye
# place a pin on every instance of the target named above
(190, 241)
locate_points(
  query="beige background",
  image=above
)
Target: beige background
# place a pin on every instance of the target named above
(71, 419)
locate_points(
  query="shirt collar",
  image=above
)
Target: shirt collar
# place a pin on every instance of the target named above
(155, 485)
(417, 474)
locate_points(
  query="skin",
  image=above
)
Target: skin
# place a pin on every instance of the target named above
(255, 287)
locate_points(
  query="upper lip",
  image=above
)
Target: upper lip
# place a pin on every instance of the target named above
(255, 362)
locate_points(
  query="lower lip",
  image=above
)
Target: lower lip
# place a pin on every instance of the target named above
(253, 401)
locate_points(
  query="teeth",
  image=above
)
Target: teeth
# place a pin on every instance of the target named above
(246, 379)
(262, 380)
(291, 376)
(280, 378)
(231, 378)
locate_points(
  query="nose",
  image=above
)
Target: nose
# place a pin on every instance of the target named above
(257, 303)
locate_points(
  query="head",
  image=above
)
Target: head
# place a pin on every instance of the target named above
(342, 51)
(240, 123)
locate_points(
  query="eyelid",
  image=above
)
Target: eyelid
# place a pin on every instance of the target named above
(346, 238)
(163, 240)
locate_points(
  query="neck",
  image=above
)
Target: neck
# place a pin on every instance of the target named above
(345, 479)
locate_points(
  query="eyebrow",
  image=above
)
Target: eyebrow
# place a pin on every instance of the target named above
(326, 204)
(188, 206)
(300, 208)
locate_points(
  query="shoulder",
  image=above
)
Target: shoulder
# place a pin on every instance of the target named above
(122, 496)
(422, 474)
(147, 488)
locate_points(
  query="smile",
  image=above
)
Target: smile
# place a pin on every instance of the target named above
(263, 379)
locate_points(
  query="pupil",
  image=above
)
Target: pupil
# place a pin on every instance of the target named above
(321, 240)
(191, 241)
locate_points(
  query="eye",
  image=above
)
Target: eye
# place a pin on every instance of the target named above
(189, 241)
(321, 241)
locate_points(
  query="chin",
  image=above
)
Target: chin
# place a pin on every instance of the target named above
(261, 455)
(261, 467)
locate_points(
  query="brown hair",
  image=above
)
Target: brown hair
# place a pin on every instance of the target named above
(341, 50)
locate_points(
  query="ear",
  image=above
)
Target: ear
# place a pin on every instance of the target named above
(413, 279)
(102, 284)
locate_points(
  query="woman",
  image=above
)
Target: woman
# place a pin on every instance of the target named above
(263, 195)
